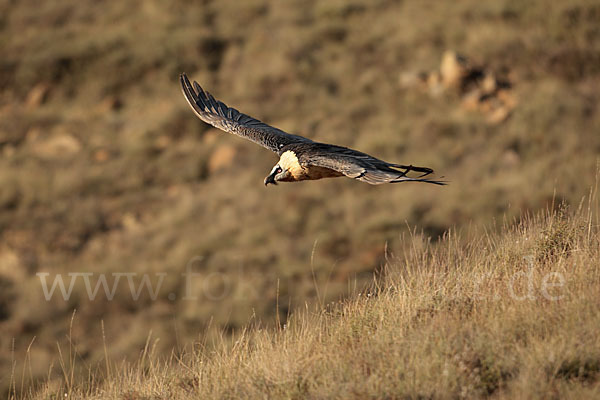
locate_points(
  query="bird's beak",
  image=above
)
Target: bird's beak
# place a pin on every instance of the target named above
(270, 179)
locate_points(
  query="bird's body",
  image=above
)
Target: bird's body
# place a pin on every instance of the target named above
(300, 158)
(303, 170)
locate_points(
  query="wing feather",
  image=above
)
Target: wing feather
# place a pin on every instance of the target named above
(357, 165)
(228, 119)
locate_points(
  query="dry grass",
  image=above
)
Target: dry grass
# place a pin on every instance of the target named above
(103, 167)
(455, 319)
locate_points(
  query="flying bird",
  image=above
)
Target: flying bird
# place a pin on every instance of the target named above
(300, 158)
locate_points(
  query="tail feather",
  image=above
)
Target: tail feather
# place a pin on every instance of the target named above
(426, 171)
(406, 179)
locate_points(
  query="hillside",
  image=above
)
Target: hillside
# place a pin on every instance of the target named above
(513, 314)
(105, 172)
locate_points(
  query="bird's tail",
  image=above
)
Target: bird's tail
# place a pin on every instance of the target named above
(427, 180)
(426, 171)
(421, 178)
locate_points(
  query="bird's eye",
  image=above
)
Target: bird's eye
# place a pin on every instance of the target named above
(279, 170)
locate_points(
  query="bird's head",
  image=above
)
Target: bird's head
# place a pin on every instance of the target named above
(277, 174)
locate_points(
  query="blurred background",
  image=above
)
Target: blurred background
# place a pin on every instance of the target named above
(105, 169)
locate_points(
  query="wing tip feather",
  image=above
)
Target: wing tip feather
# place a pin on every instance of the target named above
(229, 119)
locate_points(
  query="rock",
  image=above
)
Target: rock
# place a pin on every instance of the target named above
(162, 142)
(506, 97)
(101, 155)
(10, 265)
(37, 95)
(471, 100)
(487, 105)
(453, 69)
(110, 103)
(222, 157)
(434, 84)
(56, 146)
(498, 115)
(130, 222)
(480, 89)
(173, 190)
(510, 158)
(489, 83)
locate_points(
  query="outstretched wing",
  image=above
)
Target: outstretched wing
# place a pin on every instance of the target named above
(231, 120)
(363, 167)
